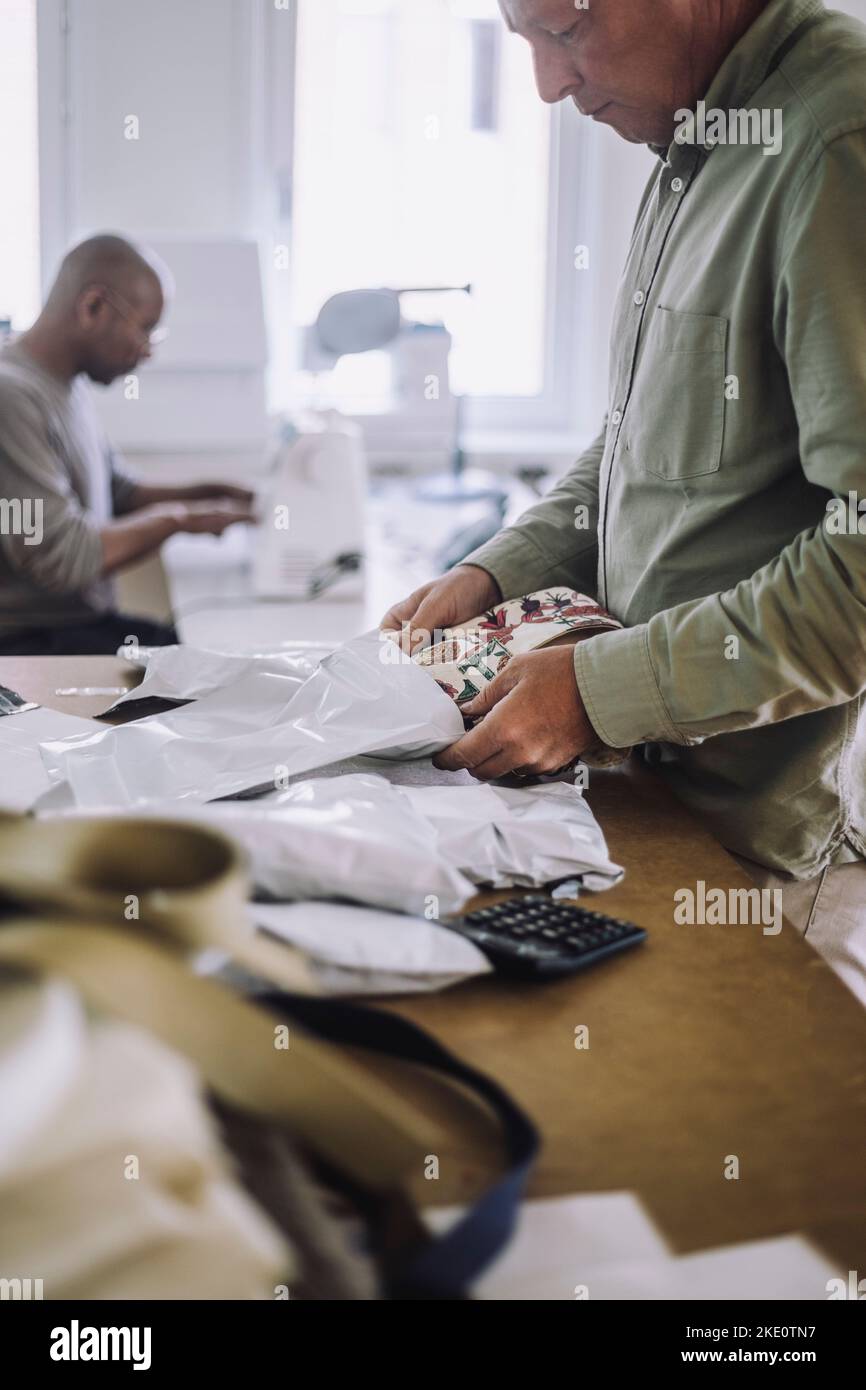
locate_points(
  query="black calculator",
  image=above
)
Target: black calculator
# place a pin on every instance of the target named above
(537, 938)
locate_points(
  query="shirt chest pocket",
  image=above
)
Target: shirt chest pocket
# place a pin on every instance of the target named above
(675, 423)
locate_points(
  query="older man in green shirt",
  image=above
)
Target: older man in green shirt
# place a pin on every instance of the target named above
(718, 513)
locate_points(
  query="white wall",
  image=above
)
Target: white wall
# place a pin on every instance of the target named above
(152, 126)
(19, 234)
(184, 70)
(855, 7)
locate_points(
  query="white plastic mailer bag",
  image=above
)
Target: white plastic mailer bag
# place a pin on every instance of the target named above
(188, 673)
(354, 837)
(518, 837)
(262, 730)
(24, 780)
(357, 950)
(420, 850)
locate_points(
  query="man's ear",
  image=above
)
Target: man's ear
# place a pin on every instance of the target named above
(90, 308)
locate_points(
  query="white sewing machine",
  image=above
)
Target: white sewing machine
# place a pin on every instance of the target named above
(312, 511)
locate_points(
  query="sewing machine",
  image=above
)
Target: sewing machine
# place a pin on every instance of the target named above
(313, 514)
(312, 510)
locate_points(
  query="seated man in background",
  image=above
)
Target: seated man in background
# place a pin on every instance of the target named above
(69, 517)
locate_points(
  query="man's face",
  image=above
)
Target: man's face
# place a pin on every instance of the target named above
(116, 325)
(618, 60)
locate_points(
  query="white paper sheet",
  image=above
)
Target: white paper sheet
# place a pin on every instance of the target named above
(557, 1238)
(788, 1269)
(604, 1246)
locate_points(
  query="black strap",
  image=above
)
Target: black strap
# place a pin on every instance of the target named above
(448, 1265)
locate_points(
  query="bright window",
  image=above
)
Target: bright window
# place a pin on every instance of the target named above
(422, 157)
(19, 164)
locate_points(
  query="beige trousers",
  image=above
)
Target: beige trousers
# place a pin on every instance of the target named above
(830, 911)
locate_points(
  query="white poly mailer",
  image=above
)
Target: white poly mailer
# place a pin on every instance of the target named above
(356, 950)
(515, 837)
(423, 851)
(353, 837)
(262, 729)
(189, 673)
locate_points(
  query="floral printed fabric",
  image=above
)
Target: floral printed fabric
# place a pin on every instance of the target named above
(470, 657)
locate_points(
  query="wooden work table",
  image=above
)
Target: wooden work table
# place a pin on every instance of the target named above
(706, 1042)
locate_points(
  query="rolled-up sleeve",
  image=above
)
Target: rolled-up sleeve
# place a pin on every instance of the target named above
(59, 548)
(789, 640)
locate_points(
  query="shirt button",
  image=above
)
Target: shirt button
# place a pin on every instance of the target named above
(639, 297)
(616, 417)
(677, 185)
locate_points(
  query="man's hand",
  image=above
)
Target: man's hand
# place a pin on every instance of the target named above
(219, 492)
(535, 720)
(137, 533)
(461, 594)
(211, 517)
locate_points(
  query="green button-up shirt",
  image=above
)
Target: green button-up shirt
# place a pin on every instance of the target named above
(737, 413)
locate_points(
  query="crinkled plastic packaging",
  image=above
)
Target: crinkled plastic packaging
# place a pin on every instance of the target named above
(355, 950)
(508, 837)
(262, 729)
(353, 837)
(416, 850)
(188, 673)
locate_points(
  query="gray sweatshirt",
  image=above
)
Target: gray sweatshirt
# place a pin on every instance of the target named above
(59, 485)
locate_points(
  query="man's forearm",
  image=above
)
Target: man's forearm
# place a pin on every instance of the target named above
(780, 644)
(145, 496)
(136, 535)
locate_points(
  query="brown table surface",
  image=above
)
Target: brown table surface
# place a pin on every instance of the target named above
(708, 1041)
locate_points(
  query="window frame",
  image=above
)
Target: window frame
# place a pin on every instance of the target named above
(564, 415)
(565, 409)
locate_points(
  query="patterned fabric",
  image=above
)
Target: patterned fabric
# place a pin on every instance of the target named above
(470, 657)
